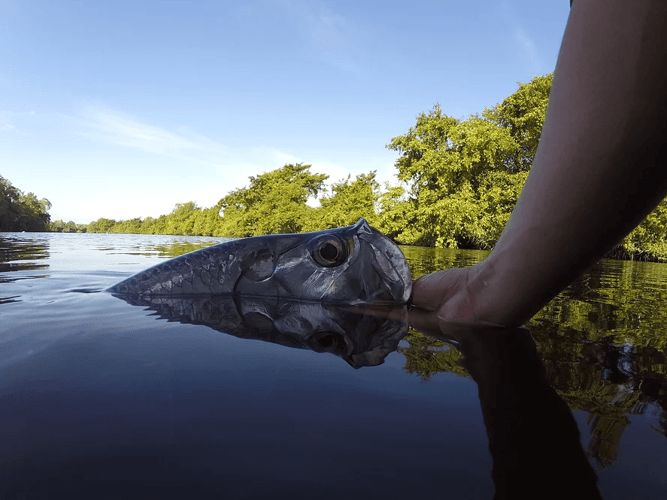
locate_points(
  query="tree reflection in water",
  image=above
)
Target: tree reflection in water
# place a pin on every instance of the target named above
(602, 340)
(608, 381)
(526, 403)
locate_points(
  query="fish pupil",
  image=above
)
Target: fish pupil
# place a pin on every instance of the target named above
(329, 252)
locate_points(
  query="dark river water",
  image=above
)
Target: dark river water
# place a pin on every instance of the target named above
(100, 398)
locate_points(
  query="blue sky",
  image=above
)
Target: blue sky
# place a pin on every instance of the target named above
(123, 109)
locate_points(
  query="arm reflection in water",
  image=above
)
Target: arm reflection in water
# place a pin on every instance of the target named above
(533, 438)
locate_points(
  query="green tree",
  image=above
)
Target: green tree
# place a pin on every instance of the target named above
(648, 241)
(159, 225)
(447, 165)
(275, 202)
(147, 226)
(9, 197)
(101, 225)
(130, 226)
(36, 211)
(463, 177)
(397, 214)
(70, 227)
(207, 221)
(22, 212)
(182, 218)
(498, 194)
(522, 114)
(57, 226)
(348, 202)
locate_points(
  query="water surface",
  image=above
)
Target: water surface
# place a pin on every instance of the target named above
(102, 398)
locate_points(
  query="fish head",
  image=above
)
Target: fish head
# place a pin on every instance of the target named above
(355, 264)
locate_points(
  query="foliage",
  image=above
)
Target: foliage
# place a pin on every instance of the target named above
(207, 222)
(397, 214)
(459, 182)
(101, 225)
(449, 166)
(426, 356)
(22, 212)
(347, 202)
(463, 177)
(648, 241)
(182, 218)
(60, 226)
(601, 341)
(275, 202)
(522, 114)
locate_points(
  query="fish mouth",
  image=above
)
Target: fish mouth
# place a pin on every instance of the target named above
(391, 264)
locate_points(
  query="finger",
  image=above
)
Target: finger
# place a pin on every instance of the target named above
(423, 321)
(430, 291)
(429, 323)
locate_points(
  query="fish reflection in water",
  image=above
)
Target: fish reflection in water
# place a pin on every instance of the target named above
(362, 335)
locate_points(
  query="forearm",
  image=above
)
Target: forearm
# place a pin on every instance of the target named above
(600, 166)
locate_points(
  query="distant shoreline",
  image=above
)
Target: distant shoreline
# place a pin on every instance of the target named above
(618, 253)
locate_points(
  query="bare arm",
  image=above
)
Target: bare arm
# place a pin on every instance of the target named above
(599, 170)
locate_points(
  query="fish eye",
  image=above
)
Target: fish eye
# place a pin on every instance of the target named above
(331, 341)
(329, 251)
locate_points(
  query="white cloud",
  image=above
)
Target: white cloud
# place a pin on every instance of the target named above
(153, 167)
(95, 124)
(510, 15)
(280, 158)
(119, 128)
(330, 34)
(529, 49)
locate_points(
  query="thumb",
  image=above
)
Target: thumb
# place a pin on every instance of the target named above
(430, 291)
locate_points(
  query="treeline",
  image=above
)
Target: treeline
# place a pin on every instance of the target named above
(22, 212)
(274, 202)
(460, 180)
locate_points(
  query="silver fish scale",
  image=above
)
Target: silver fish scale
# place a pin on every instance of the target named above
(369, 269)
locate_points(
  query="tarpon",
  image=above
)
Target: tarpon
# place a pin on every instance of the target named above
(353, 265)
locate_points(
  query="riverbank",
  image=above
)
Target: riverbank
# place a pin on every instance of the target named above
(618, 253)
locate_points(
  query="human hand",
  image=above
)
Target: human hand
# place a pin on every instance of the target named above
(446, 292)
(456, 295)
